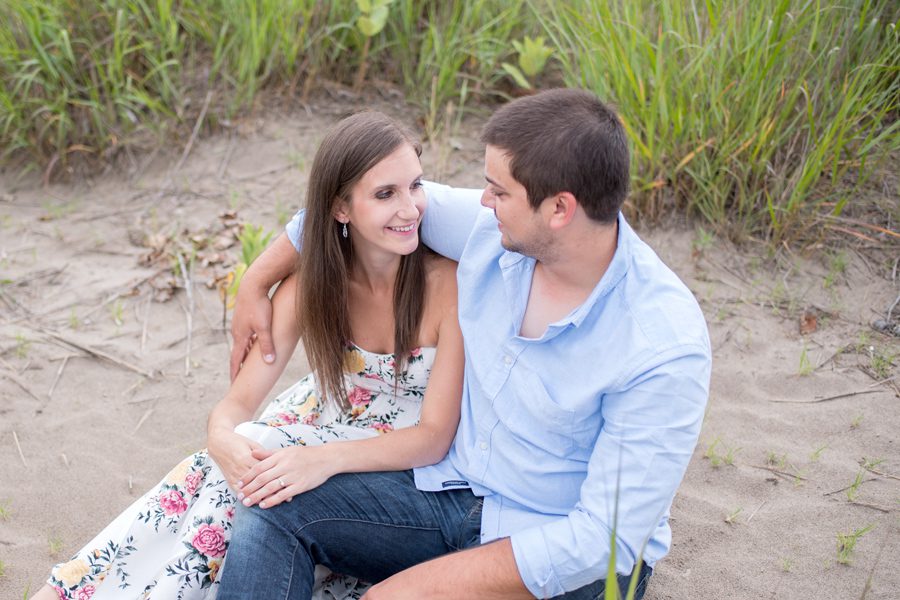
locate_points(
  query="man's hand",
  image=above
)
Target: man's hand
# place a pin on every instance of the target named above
(252, 319)
(251, 322)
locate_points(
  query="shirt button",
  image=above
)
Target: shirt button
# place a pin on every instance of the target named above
(507, 360)
(483, 445)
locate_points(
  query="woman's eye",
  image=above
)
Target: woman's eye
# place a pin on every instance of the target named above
(384, 194)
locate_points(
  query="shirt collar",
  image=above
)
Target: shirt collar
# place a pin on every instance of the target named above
(617, 269)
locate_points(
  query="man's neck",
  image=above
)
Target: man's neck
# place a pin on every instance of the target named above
(561, 284)
(581, 259)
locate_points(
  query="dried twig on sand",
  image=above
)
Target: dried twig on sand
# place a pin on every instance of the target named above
(197, 125)
(96, 352)
(144, 326)
(827, 398)
(142, 419)
(862, 463)
(59, 373)
(852, 485)
(188, 312)
(19, 448)
(877, 507)
(785, 474)
(18, 381)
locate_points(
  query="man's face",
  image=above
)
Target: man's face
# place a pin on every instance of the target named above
(522, 229)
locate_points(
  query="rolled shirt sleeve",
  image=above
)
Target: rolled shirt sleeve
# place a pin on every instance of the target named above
(650, 430)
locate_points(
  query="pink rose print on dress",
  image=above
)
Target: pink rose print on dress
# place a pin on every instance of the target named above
(85, 593)
(288, 418)
(310, 419)
(416, 352)
(172, 503)
(229, 512)
(210, 541)
(359, 400)
(192, 482)
(382, 427)
(60, 593)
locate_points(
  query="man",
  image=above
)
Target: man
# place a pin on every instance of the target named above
(587, 373)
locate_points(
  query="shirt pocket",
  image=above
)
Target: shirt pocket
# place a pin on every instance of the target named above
(535, 419)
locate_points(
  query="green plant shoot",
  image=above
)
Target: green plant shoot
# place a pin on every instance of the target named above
(253, 241)
(533, 55)
(370, 23)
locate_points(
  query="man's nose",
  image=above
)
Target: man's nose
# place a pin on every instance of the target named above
(487, 200)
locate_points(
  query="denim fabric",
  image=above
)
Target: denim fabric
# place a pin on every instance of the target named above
(369, 525)
(596, 591)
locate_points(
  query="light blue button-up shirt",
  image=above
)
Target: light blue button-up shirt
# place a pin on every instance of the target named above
(589, 427)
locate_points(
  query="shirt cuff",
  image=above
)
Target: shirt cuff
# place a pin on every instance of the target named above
(533, 561)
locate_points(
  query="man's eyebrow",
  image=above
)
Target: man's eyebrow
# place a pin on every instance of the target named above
(492, 182)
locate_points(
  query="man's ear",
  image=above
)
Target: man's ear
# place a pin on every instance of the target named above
(560, 209)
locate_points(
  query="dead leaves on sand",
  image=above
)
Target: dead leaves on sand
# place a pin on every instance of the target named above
(209, 249)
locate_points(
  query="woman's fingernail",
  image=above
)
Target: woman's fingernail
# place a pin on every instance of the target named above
(269, 358)
(240, 484)
(262, 504)
(246, 501)
(240, 496)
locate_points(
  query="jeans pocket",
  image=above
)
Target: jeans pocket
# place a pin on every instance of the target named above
(470, 527)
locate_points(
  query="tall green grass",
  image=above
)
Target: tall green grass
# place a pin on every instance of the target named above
(751, 115)
(85, 76)
(739, 110)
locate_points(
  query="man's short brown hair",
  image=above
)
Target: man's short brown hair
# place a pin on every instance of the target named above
(565, 140)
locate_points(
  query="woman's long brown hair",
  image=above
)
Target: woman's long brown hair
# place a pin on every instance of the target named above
(354, 146)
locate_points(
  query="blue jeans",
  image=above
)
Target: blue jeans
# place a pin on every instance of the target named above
(368, 525)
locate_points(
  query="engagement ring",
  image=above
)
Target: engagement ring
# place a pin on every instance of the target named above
(281, 481)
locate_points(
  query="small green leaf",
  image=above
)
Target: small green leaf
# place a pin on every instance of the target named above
(371, 26)
(533, 55)
(379, 17)
(366, 26)
(365, 6)
(517, 76)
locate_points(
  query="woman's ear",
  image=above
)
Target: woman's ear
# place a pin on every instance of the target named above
(341, 212)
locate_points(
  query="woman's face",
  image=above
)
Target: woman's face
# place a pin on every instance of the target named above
(386, 205)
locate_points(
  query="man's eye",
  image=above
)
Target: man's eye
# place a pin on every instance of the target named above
(417, 185)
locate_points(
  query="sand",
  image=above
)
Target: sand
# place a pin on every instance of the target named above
(763, 501)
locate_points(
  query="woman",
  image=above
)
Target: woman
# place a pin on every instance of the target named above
(377, 313)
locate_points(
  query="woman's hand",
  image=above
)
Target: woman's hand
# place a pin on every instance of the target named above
(234, 455)
(282, 474)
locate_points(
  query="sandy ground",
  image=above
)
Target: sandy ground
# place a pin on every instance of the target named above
(791, 417)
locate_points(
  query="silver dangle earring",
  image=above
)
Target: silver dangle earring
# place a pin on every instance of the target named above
(344, 230)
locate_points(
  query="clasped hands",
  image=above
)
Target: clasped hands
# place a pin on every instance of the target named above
(279, 475)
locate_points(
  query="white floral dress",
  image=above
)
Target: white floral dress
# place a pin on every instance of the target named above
(171, 543)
